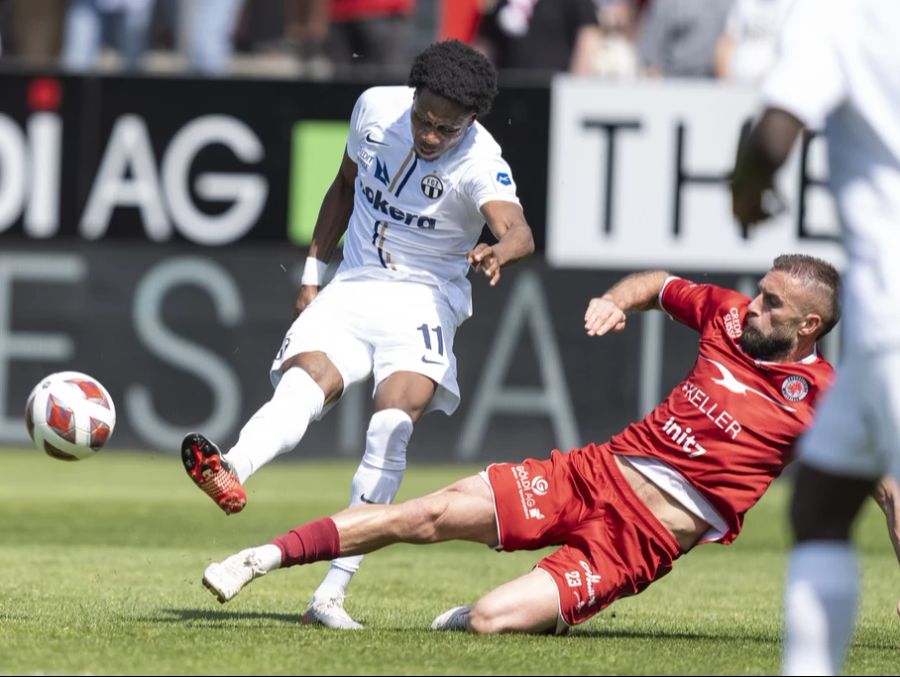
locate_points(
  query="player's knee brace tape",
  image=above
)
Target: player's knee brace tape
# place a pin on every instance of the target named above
(378, 476)
(387, 438)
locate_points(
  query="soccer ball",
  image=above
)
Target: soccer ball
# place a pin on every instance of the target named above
(69, 415)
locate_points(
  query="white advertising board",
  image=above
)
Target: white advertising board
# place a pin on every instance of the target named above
(638, 178)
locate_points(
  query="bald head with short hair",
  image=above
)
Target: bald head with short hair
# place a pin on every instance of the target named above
(797, 305)
(822, 282)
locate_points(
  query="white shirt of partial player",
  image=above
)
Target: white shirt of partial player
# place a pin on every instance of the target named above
(415, 219)
(839, 69)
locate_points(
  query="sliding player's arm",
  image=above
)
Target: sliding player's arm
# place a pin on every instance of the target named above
(635, 292)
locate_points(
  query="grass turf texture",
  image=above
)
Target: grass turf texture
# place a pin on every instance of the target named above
(101, 560)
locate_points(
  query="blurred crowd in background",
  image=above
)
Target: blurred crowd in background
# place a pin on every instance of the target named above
(323, 39)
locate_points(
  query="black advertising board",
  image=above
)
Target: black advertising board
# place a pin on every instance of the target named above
(183, 336)
(206, 161)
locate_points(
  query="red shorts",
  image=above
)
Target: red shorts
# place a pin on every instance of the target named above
(612, 546)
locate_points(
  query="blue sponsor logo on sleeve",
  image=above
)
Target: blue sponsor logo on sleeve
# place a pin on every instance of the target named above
(503, 179)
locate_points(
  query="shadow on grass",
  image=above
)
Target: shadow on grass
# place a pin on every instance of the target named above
(657, 633)
(216, 616)
(220, 617)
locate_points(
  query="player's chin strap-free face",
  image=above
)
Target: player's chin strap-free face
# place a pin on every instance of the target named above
(438, 123)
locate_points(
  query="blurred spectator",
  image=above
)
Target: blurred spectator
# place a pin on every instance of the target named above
(4, 22)
(748, 46)
(616, 53)
(306, 24)
(206, 33)
(541, 35)
(36, 29)
(284, 36)
(92, 24)
(371, 32)
(677, 38)
(459, 19)
(426, 23)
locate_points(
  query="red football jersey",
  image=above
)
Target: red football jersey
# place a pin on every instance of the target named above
(730, 427)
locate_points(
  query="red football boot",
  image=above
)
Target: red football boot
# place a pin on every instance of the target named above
(210, 470)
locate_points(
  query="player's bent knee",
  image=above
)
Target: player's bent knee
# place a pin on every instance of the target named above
(528, 604)
(319, 368)
(387, 438)
(483, 623)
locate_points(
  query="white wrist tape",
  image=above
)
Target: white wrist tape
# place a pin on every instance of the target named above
(313, 272)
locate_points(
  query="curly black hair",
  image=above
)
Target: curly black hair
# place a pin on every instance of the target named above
(457, 72)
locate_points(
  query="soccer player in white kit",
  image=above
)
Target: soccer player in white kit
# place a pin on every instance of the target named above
(419, 179)
(840, 67)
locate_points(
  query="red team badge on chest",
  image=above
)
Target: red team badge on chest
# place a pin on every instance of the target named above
(795, 388)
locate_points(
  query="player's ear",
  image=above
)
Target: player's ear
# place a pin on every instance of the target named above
(811, 325)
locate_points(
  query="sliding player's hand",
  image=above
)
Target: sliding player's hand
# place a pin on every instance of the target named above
(603, 316)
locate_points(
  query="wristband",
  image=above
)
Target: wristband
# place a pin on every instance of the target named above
(313, 272)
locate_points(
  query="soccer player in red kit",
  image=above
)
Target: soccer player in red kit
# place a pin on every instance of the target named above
(623, 511)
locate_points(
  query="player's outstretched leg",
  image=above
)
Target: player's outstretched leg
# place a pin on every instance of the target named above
(462, 511)
(210, 470)
(227, 578)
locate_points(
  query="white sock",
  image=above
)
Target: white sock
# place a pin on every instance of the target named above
(377, 480)
(269, 556)
(280, 423)
(820, 607)
(337, 579)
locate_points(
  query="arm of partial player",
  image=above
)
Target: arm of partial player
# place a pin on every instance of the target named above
(331, 224)
(515, 240)
(887, 495)
(638, 291)
(759, 156)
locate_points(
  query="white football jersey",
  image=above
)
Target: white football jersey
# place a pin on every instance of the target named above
(840, 67)
(415, 219)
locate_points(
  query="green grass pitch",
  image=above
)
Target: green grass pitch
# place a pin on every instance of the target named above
(101, 560)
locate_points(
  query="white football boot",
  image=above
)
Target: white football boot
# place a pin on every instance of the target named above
(456, 618)
(330, 613)
(225, 579)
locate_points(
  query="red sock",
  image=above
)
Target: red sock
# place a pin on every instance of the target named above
(313, 542)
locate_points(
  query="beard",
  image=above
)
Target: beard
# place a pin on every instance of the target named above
(766, 348)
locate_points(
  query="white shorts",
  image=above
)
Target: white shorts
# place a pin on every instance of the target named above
(379, 327)
(857, 426)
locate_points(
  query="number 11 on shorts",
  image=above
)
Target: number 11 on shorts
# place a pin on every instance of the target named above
(426, 334)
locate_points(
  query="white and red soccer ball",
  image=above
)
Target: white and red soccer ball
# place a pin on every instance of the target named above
(70, 415)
